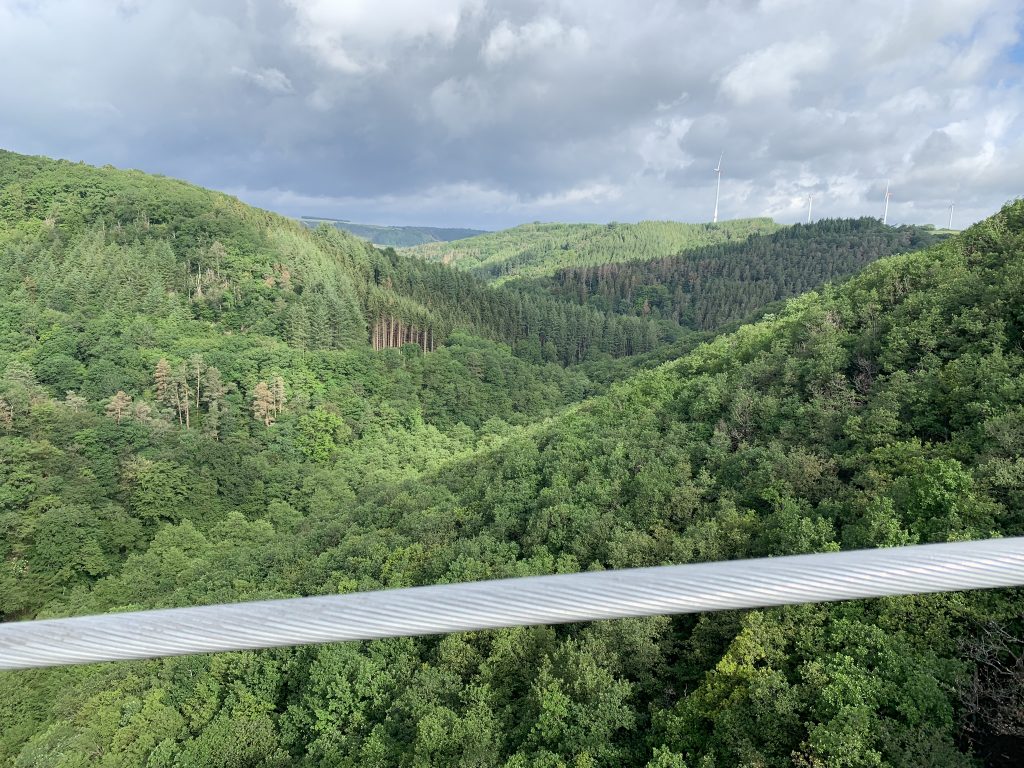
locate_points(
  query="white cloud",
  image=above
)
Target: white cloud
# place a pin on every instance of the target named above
(994, 33)
(898, 31)
(661, 145)
(598, 192)
(460, 104)
(773, 73)
(355, 35)
(475, 112)
(543, 36)
(269, 79)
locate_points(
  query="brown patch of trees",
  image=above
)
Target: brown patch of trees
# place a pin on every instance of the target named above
(390, 331)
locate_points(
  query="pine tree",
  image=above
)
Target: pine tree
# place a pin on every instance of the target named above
(140, 411)
(163, 378)
(6, 415)
(277, 392)
(211, 422)
(263, 403)
(181, 395)
(196, 365)
(118, 405)
(297, 326)
(213, 393)
(214, 388)
(320, 335)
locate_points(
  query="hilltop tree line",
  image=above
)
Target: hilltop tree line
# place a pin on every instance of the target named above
(532, 250)
(175, 248)
(396, 237)
(707, 287)
(91, 239)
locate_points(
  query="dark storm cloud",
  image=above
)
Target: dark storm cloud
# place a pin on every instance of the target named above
(486, 113)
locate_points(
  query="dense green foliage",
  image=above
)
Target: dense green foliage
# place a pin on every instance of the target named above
(93, 239)
(396, 236)
(533, 250)
(196, 460)
(704, 288)
(537, 325)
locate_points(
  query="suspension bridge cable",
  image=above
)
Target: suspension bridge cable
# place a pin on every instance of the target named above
(514, 602)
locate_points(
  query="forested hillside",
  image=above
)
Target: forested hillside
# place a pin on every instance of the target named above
(532, 250)
(97, 238)
(395, 236)
(174, 432)
(704, 288)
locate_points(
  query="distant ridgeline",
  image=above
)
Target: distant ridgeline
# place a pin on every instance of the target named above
(98, 238)
(102, 238)
(534, 250)
(703, 288)
(396, 237)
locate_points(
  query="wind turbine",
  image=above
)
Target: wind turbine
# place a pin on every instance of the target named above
(888, 194)
(718, 188)
(950, 225)
(810, 203)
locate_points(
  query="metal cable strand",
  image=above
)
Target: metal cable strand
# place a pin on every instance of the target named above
(511, 602)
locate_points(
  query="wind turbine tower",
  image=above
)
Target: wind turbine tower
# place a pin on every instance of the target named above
(950, 225)
(810, 203)
(718, 188)
(888, 194)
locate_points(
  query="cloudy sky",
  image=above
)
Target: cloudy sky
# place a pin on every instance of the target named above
(489, 113)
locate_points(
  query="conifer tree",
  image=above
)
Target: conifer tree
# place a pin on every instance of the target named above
(163, 378)
(263, 404)
(179, 395)
(213, 394)
(118, 405)
(214, 388)
(195, 368)
(141, 411)
(277, 392)
(297, 326)
(6, 415)
(211, 422)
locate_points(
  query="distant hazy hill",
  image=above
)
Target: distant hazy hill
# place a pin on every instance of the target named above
(397, 237)
(533, 250)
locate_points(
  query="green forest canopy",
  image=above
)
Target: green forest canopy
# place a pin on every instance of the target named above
(709, 286)
(96, 237)
(532, 250)
(171, 435)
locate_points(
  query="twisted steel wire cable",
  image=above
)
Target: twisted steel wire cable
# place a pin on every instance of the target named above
(511, 602)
